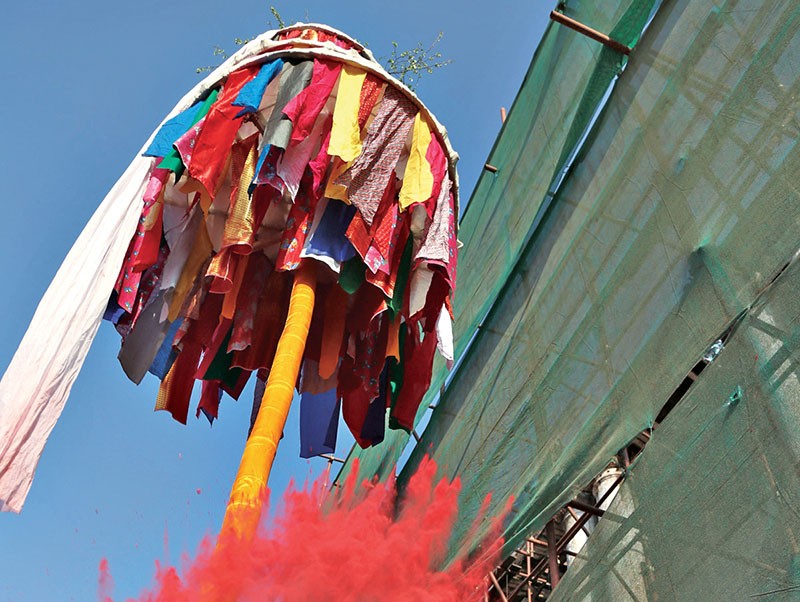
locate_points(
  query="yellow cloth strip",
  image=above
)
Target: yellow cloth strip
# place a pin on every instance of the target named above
(240, 227)
(163, 392)
(190, 186)
(333, 190)
(243, 513)
(418, 179)
(205, 202)
(201, 251)
(345, 135)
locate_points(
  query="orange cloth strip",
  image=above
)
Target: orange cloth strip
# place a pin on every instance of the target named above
(333, 331)
(393, 344)
(229, 305)
(222, 270)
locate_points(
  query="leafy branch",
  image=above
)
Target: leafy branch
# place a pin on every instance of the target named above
(406, 65)
(221, 54)
(277, 17)
(410, 65)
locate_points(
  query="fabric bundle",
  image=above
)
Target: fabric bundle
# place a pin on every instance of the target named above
(299, 156)
(298, 137)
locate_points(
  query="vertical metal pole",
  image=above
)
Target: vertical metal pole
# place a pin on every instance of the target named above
(529, 550)
(327, 475)
(552, 554)
(497, 587)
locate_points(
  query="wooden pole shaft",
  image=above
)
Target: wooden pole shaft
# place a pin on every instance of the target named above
(244, 506)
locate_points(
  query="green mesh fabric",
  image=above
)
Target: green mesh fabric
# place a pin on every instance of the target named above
(710, 509)
(683, 209)
(565, 83)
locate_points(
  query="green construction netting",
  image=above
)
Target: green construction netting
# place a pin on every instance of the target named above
(683, 207)
(711, 508)
(567, 79)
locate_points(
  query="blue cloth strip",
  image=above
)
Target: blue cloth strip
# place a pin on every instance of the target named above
(113, 311)
(319, 420)
(329, 239)
(374, 427)
(166, 354)
(250, 95)
(171, 131)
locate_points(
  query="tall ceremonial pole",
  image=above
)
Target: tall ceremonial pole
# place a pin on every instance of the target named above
(244, 507)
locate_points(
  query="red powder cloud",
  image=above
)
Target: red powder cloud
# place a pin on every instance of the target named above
(358, 548)
(106, 584)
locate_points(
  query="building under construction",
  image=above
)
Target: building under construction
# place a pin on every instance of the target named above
(628, 313)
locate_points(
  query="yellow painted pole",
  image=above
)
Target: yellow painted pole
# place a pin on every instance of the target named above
(244, 506)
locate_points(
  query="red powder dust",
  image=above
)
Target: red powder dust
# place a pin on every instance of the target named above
(363, 546)
(105, 583)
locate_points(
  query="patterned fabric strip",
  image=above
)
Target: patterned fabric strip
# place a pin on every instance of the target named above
(368, 177)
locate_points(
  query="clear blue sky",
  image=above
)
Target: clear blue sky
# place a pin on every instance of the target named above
(84, 85)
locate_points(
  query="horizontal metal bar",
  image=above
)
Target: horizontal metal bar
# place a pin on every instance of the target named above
(332, 458)
(589, 32)
(584, 507)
